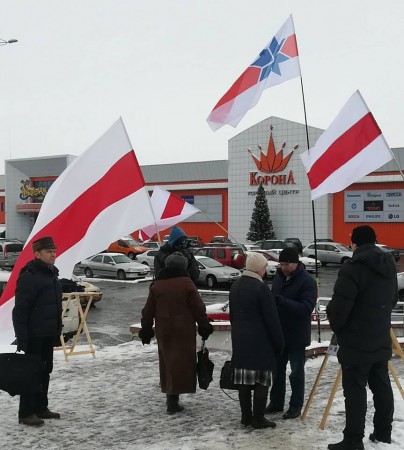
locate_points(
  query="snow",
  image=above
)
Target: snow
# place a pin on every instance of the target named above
(114, 402)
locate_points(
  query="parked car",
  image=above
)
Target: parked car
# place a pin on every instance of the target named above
(329, 252)
(309, 263)
(88, 288)
(128, 246)
(297, 242)
(70, 319)
(113, 265)
(395, 253)
(213, 272)
(272, 244)
(151, 244)
(228, 256)
(400, 282)
(9, 252)
(147, 258)
(222, 239)
(322, 240)
(249, 247)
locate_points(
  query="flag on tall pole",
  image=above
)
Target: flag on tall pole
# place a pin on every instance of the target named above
(99, 197)
(168, 211)
(352, 147)
(276, 63)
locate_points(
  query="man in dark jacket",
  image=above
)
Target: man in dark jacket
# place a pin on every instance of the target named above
(296, 295)
(177, 242)
(360, 315)
(37, 320)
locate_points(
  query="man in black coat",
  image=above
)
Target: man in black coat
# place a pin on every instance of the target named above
(360, 315)
(296, 295)
(37, 320)
(177, 243)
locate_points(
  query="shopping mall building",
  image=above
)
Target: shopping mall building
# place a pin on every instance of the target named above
(225, 190)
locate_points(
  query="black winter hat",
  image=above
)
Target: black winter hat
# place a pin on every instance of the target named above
(363, 235)
(289, 255)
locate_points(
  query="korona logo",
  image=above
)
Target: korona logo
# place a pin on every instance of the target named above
(272, 162)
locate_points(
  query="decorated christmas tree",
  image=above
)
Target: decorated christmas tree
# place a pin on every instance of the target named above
(261, 223)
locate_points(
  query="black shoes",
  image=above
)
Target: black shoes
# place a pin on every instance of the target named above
(246, 420)
(291, 414)
(271, 409)
(259, 422)
(376, 438)
(172, 404)
(346, 445)
(48, 414)
(32, 420)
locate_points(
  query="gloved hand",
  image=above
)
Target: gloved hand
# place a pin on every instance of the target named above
(205, 332)
(146, 335)
(22, 345)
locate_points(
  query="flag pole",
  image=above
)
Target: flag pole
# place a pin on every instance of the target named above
(313, 214)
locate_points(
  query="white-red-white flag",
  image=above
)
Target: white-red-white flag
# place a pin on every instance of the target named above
(168, 211)
(352, 147)
(100, 197)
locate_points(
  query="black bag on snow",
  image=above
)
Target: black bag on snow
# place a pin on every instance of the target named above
(20, 373)
(204, 367)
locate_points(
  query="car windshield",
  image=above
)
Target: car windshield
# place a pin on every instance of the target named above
(131, 242)
(119, 259)
(211, 263)
(343, 248)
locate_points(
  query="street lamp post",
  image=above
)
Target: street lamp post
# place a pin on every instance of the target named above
(10, 41)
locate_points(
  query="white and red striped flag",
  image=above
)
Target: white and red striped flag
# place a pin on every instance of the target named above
(100, 197)
(352, 147)
(168, 211)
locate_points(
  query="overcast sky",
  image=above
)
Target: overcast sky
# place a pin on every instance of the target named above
(162, 65)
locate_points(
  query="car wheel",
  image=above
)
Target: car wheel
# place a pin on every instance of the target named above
(344, 260)
(121, 275)
(88, 272)
(323, 263)
(131, 255)
(210, 281)
(145, 263)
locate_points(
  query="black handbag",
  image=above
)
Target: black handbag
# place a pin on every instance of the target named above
(20, 373)
(204, 367)
(227, 377)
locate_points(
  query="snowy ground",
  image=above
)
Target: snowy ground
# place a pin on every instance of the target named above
(114, 402)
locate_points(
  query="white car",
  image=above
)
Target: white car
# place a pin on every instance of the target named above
(147, 258)
(213, 272)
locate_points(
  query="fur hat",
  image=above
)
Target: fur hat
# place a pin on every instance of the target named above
(289, 255)
(176, 261)
(255, 262)
(363, 235)
(176, 234)
(43, 243)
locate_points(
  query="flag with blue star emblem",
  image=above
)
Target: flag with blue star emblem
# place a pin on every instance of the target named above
(277, 62)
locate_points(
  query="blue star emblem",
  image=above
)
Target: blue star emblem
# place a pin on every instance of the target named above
(270, 58)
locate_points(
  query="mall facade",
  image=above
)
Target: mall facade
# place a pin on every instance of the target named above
(225, 190)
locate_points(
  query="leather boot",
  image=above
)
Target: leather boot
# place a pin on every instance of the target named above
(48, 414)
(32, 420)
(258, 420)
(346, 444)
(172, 404)
(244, 396)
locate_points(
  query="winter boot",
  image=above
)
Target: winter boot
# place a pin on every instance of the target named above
(32, 420)
(347, 444)
(374, 437)
(172, 404)
(48, 414)
(272, 408)
(244, 396)
(258, 420)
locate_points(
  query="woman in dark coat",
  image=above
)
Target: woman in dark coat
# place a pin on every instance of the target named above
(175, 305)
(256, 338)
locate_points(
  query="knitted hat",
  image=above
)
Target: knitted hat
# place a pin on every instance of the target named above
(176, 233)
(363, 235)
(176, 261)
(43, 243)
(289, 255)
(255, 261)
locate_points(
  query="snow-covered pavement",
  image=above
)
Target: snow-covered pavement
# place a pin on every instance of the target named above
(114, 402)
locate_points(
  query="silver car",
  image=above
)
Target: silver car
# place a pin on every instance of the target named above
(213, 272)
(329, 252)
(113, 265)
(147, 258)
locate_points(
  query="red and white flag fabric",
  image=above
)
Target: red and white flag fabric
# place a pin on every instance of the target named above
(100, 197)
(168, 211)
(352, 147)
(276, 63)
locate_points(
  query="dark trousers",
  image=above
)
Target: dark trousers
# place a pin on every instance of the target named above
(354, 381)
(257, 407)
(297, 359)
(34, 403)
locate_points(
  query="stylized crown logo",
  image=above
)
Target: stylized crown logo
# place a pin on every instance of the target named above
(272, 162)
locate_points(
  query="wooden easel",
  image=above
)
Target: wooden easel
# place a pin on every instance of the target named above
(397, 350)
(68, 350)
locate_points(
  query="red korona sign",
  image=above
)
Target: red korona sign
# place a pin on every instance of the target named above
(271, 163)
